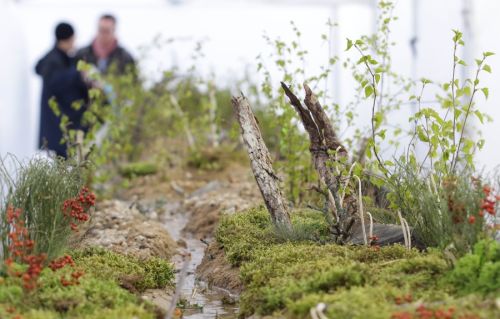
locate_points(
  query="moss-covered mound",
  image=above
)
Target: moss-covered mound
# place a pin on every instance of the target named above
(138, 169)
(287, 274)
(106, 290)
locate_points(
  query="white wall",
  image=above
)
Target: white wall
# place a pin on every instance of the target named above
(235, 28)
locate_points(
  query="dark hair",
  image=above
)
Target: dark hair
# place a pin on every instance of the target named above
(108, 17)
(64, 31)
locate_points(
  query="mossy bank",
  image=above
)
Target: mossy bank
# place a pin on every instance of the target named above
(288, 273)
(109, 289)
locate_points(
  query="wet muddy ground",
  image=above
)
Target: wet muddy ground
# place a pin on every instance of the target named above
(200, 301)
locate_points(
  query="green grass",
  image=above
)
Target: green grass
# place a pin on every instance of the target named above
(287, 275)
(100, 294)
(39, 189)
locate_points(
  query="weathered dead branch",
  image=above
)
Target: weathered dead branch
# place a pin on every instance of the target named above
(323, 143)
(261, 163)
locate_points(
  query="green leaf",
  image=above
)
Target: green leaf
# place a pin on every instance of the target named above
(377, 78)
(479, 115)
(487, 68)
(368, 90)
(382, 134)
(377, 118)
(349, 44)
(54, 106)
(486, 54)
(466, 90)
(421, 134)
(480, 143)
(485, 92)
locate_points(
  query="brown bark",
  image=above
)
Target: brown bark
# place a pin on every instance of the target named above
(324, 141)
(261, 163)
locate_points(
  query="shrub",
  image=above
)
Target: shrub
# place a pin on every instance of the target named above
(444, 215)
(39, 189)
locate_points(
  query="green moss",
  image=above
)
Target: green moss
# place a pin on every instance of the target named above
(92, 293)
(357, 302)
(104, 264)
(286, 274)
(100, 293)
(243, 233)
(138, 169)
(478, 271)
(127, 311)
(158, 273)
(215, 158)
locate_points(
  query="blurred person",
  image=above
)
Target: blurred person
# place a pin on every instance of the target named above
(62, 81)
(104, 52)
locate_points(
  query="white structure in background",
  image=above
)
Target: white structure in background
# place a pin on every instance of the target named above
(233, 30)
(16, 128)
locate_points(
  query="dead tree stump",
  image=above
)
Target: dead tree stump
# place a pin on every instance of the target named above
(261, 163)
(323, 143)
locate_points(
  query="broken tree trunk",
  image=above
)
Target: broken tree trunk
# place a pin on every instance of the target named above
(323, 143)
(261, 163)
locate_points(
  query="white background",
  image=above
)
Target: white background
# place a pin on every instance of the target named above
(233, 30)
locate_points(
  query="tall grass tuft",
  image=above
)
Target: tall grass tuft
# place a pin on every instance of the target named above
(445, 213)
(39, 189)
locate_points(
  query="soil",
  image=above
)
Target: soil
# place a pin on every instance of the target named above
(117, 226)
(216, 271)
(172, 215)
(175, 215)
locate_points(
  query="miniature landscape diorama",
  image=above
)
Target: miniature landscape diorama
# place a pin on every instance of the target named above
(186, 199)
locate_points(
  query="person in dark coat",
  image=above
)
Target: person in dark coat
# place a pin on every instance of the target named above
(62, 81)
(104, 52)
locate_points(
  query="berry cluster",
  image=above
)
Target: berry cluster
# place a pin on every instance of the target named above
(73, 280)
(12, 311)
(422, 312)
(78, 207)
(374, 242)
(60, 263)
(20, 248)
(403, 299)
(489, 202)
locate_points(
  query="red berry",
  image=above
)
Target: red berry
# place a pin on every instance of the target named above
(472, 219)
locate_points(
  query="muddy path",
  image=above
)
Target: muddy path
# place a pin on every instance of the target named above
(198, 299)
(210, 286)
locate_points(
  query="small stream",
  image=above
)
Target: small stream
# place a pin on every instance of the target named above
(203, 302)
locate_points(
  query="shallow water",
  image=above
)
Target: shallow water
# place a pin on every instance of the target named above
(205, 302)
